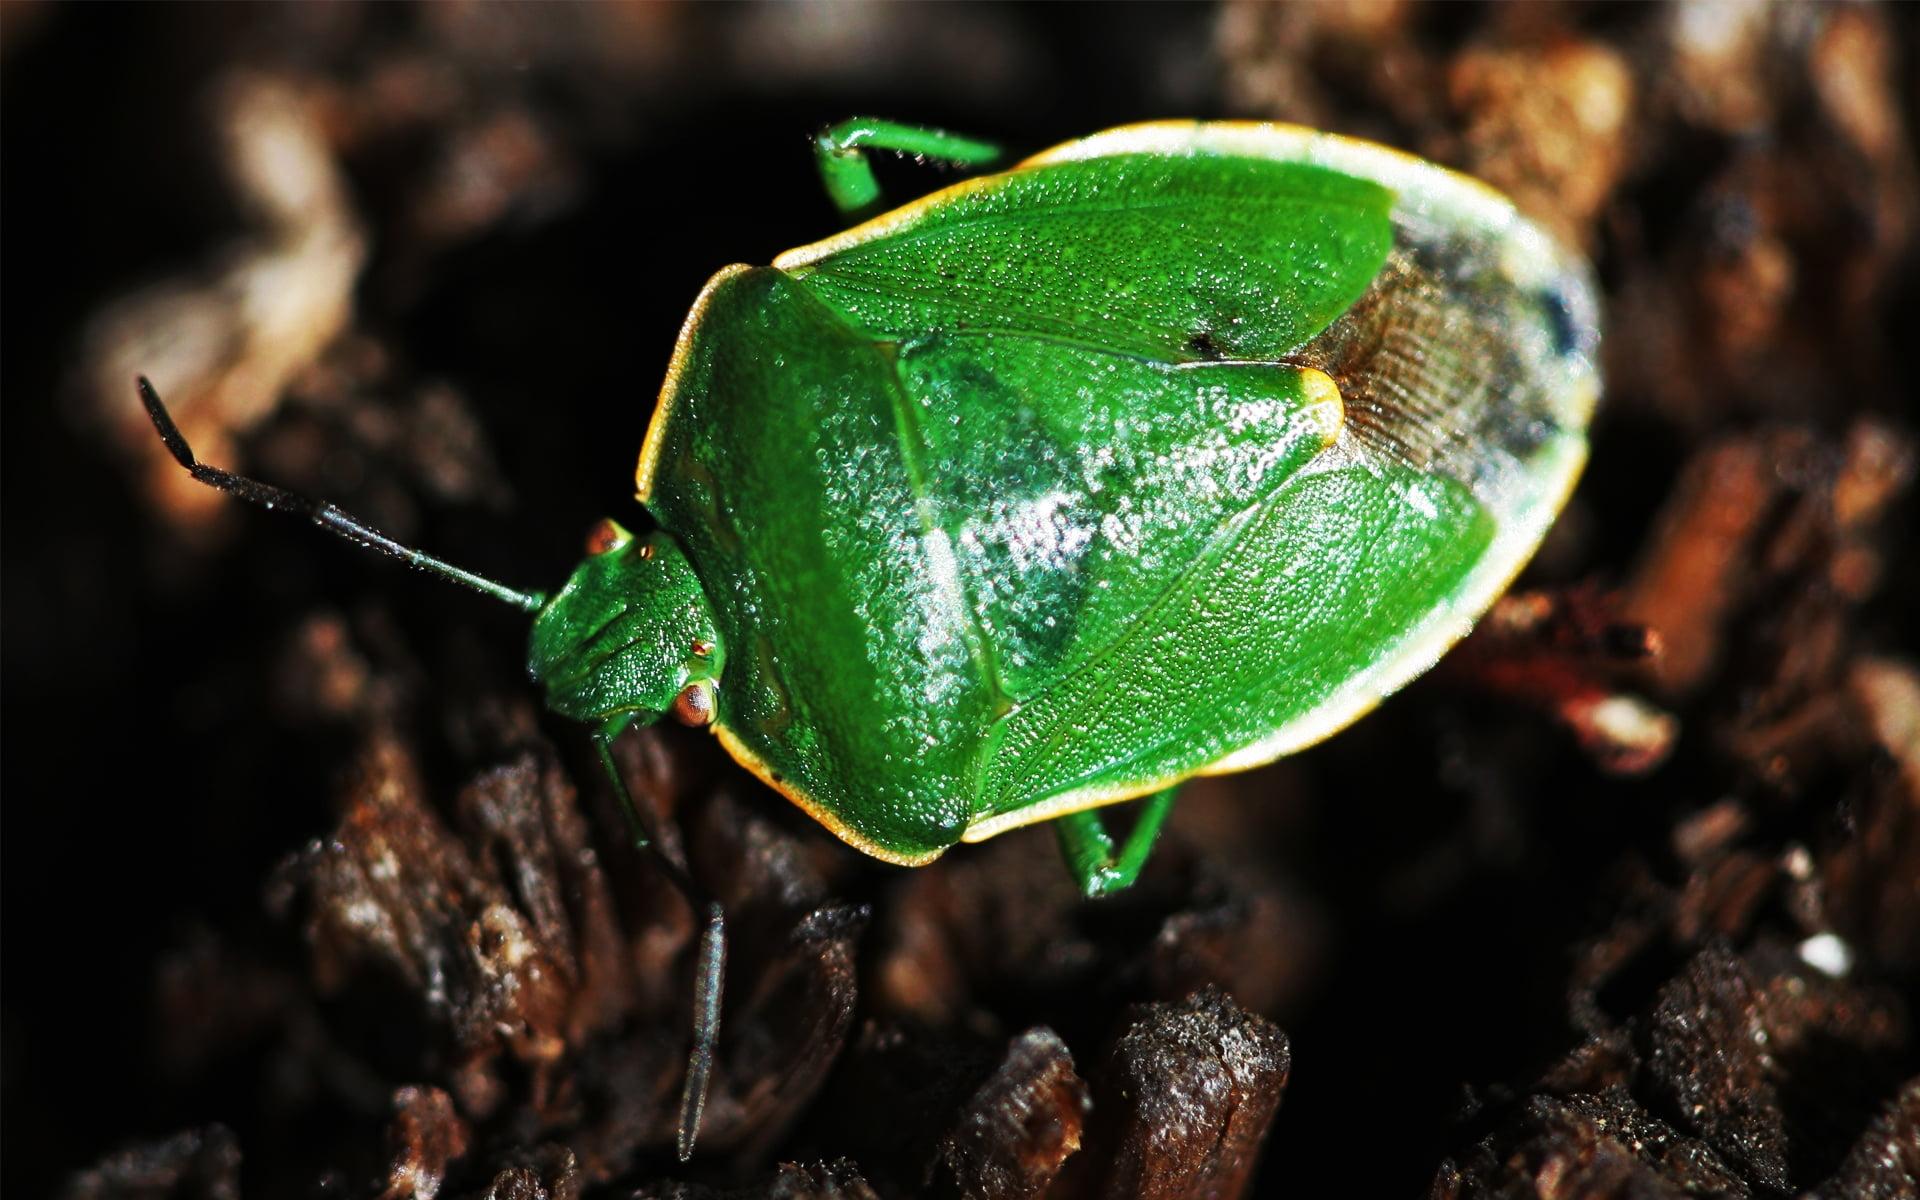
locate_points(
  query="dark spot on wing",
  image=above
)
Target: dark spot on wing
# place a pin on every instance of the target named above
(1201, 344)
(1560, 324)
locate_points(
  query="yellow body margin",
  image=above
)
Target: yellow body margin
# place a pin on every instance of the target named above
(649, 467)
(840, 829)
(1256, 139)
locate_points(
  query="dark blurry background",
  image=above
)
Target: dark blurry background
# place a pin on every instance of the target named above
(429, 261)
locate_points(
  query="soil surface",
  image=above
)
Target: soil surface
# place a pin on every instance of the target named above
(304, 895)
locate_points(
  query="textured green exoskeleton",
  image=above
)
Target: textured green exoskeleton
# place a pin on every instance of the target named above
(1165, 453)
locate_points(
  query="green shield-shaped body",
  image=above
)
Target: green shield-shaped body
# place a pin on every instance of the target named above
(1168, 452)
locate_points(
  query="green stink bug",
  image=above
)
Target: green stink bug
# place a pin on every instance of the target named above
(1167, 452)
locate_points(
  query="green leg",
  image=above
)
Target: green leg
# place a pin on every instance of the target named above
(1089, 851)
(841, 151)
(710, 966)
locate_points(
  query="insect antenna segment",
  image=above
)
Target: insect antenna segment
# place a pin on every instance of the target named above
(325, 515)
(710, 964)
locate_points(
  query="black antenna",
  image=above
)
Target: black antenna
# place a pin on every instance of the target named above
(711, 960)
(320, 513)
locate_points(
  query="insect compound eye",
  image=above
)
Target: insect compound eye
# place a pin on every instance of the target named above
(606, 536)
(694, 705)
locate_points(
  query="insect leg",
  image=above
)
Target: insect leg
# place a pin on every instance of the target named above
(1089, 851)
(841, 151)
(710, 965)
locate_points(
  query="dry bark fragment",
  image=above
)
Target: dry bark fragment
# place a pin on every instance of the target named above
(838, 1180)
(195, 1164)
(778, 1044)
(1885, 1163)
(525, 818)
(548, 1172)
(425, 1136)
(894, 1098)
(1556, 651)
(1735, 1074)
(1013, 1135)
(1549, 125)
(1185, 1100)
(1707, 1060)
(1693, 571)
(394, 887)
(1297, 59)
(1600, 1146)
(1871, 879)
